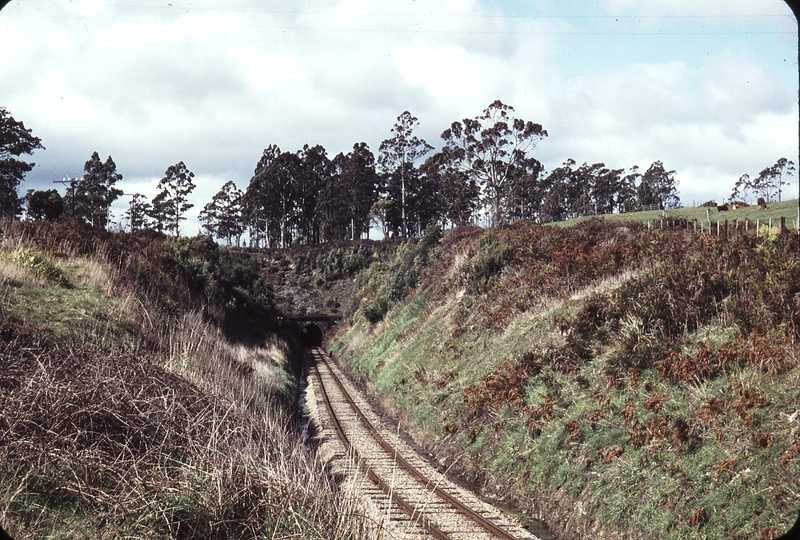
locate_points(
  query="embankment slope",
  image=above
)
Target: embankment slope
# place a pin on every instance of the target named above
(613, 380)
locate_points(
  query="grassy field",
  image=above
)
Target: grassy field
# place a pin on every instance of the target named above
(774, 212)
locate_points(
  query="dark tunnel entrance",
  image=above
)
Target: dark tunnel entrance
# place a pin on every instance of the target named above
(311, 336)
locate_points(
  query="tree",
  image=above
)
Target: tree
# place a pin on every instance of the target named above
(255, 198)
(661, 185)
(15, 140)
(525, 191)
(138, 213)
(316, 171)
(457, 193)
(397, 158)
(627, 199)
(158, 212)
(222, 217)
(606, 187)
(490, 148)
(91, 197)
(563, 193)
(771, 180)
(171, 203)
(270, 196)
(42, 204)
(355, 189)
(333, 211)
(741, 188)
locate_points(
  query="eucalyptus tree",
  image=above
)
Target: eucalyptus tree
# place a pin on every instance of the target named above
(741, 189)
(15, 140)
(222, 217)
(457, 193)
(563, 192)
(397, 159)
(627, 199)
(354, 190)
(605, 188)
(524, 192)
(90, 197)
(661, 185)
(490, 147)
(771, 180)
(171, 203)
(138, 212)
(316, 172)
(255, 200)
(270, 196)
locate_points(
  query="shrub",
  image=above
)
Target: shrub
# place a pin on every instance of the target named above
(38, 263)
(494, 257)
(377, 309)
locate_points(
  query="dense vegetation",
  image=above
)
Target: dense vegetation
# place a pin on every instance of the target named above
(129, 410)
(616, 380)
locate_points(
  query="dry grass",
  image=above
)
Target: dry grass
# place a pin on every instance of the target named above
(113, 446)
(15, 275)
(156, 426)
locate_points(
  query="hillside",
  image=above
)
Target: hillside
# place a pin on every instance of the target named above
(146, 393)
(614, 380)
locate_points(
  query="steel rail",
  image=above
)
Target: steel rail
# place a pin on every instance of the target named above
(424, 522)
(461, 507)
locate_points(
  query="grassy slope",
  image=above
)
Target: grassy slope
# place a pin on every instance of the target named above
(126, 413)
(617, 381)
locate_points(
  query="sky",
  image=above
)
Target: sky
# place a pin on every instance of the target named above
(710, 87)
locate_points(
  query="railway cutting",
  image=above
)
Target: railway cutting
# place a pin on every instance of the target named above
(403, 495)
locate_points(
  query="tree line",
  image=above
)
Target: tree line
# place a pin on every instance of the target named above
(485, 169)
(768, 184)
(485, 172)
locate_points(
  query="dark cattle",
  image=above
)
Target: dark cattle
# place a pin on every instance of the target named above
(762, 203)
(722, 208)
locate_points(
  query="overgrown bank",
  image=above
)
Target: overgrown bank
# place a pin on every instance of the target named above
(615, 381)
(130, 405)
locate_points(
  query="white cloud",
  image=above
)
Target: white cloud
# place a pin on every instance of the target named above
(213, 85)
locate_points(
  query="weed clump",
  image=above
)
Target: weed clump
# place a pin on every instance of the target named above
(40, 264)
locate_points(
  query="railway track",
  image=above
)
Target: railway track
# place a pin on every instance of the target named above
(414, 500)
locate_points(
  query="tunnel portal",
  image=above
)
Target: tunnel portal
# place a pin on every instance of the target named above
(311, 336)
(311, 328)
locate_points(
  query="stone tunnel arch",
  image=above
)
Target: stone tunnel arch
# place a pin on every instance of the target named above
(311, 335)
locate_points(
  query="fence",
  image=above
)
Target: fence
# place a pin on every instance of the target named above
(721, 228)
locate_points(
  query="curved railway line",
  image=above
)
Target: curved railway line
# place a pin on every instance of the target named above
(416, 500)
